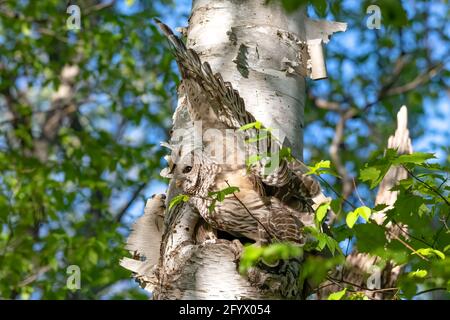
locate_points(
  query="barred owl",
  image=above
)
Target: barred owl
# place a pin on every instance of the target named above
(217, 104)
(248, 212)
(268, 206)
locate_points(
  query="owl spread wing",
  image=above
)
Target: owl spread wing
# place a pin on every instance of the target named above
(202, 85)
(208, 92)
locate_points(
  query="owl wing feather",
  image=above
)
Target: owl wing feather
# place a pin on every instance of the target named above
(198, 79)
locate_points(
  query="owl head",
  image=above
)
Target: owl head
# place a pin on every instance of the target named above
(194, 173)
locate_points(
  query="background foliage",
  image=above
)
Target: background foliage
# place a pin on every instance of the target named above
(73, 204)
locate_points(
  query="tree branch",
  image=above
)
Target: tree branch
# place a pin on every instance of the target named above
(134, 196)
(419, 80)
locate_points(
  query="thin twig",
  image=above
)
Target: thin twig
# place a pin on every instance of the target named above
(130, 202)
(427, 185)
(410, 235)
(31, 278)
(357, 193)
(422, 78)
(437, 193)
(429, 290)
(252, 215)
(335, 148)
(361, 287)
(99, 7)
(337, 193)
(405, 244)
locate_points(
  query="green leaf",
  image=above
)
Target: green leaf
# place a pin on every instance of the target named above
(351, 218)
(177, 199)
(363, 212)
(230, 190)
(254, 158)
(53, 263)
(370, 238)
(322, 167)
(285, 153)
(336, 205)
(212, 206)
(440, 254)
(332, 244)
(393, 13)
(278, 251)
(321, 212)
(316, 268)
(221, 194)
(415, 158)
(258, 137)
(418, 274)
(249, 257)
(372, 175)
(323, 240)
(429, 252)
(342, 232)
(256, 125)
(408, 204)
(380, 207)
(337, 295)
(270, 254)
(319, 165)
(291, 5)
(92, 256)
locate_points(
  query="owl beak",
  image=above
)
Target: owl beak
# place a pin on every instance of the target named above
(178, 183)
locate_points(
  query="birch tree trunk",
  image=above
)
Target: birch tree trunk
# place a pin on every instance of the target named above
(266, 54)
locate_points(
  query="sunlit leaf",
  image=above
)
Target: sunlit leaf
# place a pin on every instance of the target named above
(178, 199)
(337, 295)
(351, 218)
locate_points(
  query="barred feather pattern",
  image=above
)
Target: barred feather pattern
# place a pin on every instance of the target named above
(247, 212)
(208, 93)
(229, 106)
(277, 202)
(285, 223)
(267, 222)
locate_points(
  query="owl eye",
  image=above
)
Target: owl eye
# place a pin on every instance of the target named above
(187, 169)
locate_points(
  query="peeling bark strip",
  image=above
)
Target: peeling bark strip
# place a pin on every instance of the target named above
(262, 51)
(318, 32)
